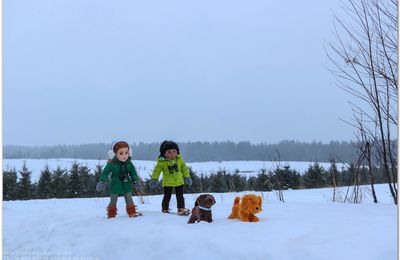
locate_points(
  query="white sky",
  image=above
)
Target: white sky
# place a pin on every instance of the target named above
(95, 71)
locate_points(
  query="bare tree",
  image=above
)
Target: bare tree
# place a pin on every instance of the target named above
(364, 147)
(364, 58)
(277, 185)
(333, 175)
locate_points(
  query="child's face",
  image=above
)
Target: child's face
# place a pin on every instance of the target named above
(171, 154)
(122, 154)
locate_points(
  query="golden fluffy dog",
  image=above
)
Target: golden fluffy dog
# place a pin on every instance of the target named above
(246, 207)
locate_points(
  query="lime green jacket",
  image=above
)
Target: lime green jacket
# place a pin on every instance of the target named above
(172, 175)
(117, 170)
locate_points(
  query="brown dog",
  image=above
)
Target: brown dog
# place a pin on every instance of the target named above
(202, 209)
(246, 207)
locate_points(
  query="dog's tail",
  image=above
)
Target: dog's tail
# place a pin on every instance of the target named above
(235, 208)
(236, 201)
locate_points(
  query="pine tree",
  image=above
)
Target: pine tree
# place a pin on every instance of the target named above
(218, 183)
(263, 182)
(205, 182)
(93, 179)
(60, 183)
(98, 171)
(74, 185)
(10, 186)
(285, 178)
(238, 182)
(365, 178)
(379, 175)
(84, 176)
(314, 177)
(34, 190)
(251, 183)
(25, 187)
(334, 175)
(44, 188)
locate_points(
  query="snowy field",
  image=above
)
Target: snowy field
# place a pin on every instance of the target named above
(145, 168)
(307, 226)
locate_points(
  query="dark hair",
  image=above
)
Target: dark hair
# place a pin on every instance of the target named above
(167, 145)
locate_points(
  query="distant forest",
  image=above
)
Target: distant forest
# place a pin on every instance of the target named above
(199, 151)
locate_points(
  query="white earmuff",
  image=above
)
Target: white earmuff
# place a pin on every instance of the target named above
(111, 154)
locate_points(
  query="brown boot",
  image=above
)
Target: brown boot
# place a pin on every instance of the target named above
(131, 210)
(111, 211)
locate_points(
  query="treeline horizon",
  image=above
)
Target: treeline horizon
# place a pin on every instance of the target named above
(199, 151)
(79, 181)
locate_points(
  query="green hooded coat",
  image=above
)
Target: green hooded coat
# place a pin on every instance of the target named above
(174, 171)
(118, 170)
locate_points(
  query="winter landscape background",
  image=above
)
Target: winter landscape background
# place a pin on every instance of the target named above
(296, 101)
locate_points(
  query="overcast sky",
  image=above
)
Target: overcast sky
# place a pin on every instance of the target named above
(84, 71)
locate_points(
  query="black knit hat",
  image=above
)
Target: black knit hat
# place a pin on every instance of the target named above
(166, 145)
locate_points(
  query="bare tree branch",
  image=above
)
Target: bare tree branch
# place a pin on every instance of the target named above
(365, 65)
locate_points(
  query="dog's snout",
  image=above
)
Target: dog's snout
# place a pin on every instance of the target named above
(257, 208)
(210, 199)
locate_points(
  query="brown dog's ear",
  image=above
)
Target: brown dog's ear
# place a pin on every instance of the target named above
(247, 204)
(196, 204)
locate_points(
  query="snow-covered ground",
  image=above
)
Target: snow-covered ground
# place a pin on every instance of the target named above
(144, 168)
(307, 226)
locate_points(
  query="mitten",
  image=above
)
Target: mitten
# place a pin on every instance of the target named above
(188, 181)
(153, 183)
(100, 186)
(137, 186)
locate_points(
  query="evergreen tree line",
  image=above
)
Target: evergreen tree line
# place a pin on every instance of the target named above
(198, 151)
(80, 182)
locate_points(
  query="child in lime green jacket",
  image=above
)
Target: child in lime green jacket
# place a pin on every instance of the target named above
(175, 174)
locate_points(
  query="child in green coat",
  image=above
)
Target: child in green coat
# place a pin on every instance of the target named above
(123, 178)
(175, 174)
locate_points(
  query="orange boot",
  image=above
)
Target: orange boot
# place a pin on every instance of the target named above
(131, 210)
(111, 211)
